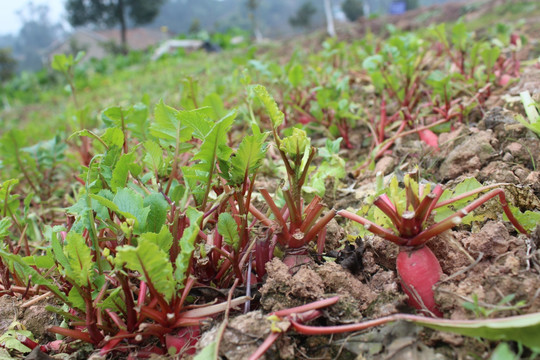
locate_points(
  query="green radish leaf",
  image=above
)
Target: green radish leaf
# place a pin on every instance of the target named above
(524, 329)
(9, 340)
(209, 352)
(78, 57)
(530, 107)
(43, 261)
(58, 251)
(80, 262)
(5, 224)
(154, 155)
(297, 143)
(249, 157)
(187, 245)
(158, 212)
(528, 219)
(214, 102)
(61, 62)
(372, 63)
(121, 171)
(213, 148)
(502, 352)
(109, 204)
(134, 118)
(128, 201)
(381, 219)
(8, 201)
(463, 187)
(460, 36)
(228, 228)
(490, 56)
(163, 240)
(137, 120)
(535, 127)
(296, 75)
(75, 299)
(112, 116)
(269, 103)
(129, 204)
(440, 33)
(151, 262)
(198, 121)
(113, 137)
(113, 301)
(439, 81)
(167, 126)
(533, 118)
(215, 142)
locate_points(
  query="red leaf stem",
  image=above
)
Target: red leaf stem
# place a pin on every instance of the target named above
(142, 293)
(408, 227)
(294, 211)
(75, 334)
(384, 204)
(319, 225)
(423, 210)
(437, 229)
(372, 227)
(260, 216)
(116, 319)
(277, 214)
(153, 314)
(307, 307)
(265, 345)
(311, 218)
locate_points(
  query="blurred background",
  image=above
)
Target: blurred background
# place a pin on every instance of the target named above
(32, 32)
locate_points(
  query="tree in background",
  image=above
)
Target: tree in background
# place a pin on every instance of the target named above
(330, 28)
(112, 12)
(36, 34)
(353, 9)
(303, 15)
(195, 26)
(411, 4)
(252, 6)
(7, 64)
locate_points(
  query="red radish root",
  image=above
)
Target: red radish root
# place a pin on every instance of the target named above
(419, 270)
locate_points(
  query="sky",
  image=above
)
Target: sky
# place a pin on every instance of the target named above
(10, 22)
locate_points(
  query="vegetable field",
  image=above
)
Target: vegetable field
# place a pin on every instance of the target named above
(375, 195)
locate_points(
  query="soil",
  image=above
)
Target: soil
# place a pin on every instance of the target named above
(483, 262)
(34, 318)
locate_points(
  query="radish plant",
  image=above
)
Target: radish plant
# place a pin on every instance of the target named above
(407, 214)
(295, 225)
(231, 242)
(123, 264)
